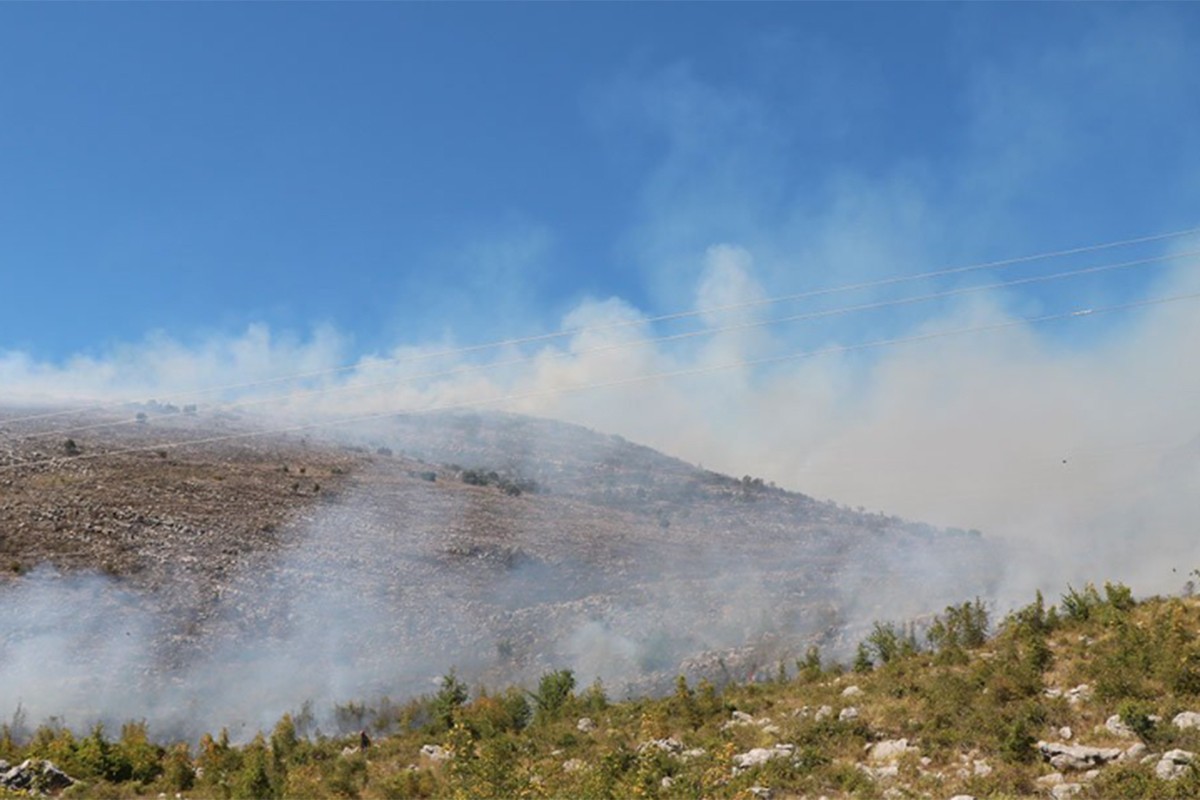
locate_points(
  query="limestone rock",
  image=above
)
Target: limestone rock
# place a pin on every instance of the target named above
(741, 719)
(436, 753)
(1134, 752)
(888, 750)
(1173, 764)
(1117, 727)
(1186, 719)
(1077, 757)
(1074, 696)
(761, 755)
(35, 777)
(670, 746)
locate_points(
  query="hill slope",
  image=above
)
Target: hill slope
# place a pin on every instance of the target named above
(503, 546)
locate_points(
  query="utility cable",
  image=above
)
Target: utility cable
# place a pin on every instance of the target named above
(690, 371)
(471, 368)
(459, 351)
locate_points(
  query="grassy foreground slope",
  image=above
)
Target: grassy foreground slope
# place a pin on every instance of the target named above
(958, 706)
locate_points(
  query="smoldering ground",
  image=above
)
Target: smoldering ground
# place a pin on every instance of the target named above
(399, 579)
(1070, 454)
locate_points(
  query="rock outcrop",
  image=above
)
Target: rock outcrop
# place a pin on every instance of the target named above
(35, 777)
(761, 755)
(1077, 757)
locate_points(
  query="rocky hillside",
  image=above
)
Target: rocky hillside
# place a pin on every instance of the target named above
(324, 569)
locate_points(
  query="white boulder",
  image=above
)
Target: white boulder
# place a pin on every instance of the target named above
(1186, 719)
(888, 750)
(1173, 764)
(1117, 727)
(1077, 757)
(761, 755)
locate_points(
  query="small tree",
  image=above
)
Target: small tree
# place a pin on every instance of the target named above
(1078, 605)
(862, 659)
(554, 690)
(887, 642)
(253, 780)
(810, 668)
(449, 699)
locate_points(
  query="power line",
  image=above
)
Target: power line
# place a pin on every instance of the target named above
(690, 371)
(470, 368)
(458, 351)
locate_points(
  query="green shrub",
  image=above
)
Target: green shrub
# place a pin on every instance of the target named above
(347, 776)
(862, 659)
(493, 715)
(1078, 605)
(406, 784)
(178, 774)
(553, 692)
(1118, 596)
(1136, 714)
(809, 670)
(218, 762)
(98, 758)
(1017, 746)
(143, 759)
(284, 740)
(1127, 781)
(960, 627)
(254, 781)
(449, 699)
(487, 768)
(885, 642)
(594, 700)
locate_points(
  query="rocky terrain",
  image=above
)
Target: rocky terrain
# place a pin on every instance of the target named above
(1095, 697)
(325, 568)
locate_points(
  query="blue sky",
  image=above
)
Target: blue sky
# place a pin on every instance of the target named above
(411, 172)
(201, 195)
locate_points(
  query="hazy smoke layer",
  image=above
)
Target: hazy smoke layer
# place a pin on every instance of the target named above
(1075, 447)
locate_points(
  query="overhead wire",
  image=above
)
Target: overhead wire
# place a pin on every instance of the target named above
(1075, 314)
(709, 331)
(573, 331)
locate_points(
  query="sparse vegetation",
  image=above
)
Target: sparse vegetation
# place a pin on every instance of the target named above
(512, 485)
